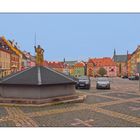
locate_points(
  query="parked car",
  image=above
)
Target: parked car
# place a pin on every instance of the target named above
(83, 82)
(125, 77)
(136, 77)
(102, 83)
(133, 77)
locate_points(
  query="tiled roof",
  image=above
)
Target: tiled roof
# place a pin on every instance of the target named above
(106, 61)
(54, 64)
(37, 76)
(80, 64)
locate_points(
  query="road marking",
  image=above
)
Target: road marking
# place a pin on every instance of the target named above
(86, 123)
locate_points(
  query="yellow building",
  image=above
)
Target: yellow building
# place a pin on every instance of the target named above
(71, 69)
(133, 61)
(14, 62)
(13, 47)
(133, 64)
(4, 61)
(129, 67)
(138, 55)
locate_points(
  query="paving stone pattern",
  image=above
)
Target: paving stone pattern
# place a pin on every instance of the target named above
(118, 107)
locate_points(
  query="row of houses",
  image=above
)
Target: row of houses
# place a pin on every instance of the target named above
(12, 59)
(117, 65)
(89, 68)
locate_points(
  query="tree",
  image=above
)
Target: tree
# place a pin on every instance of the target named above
(102, 72)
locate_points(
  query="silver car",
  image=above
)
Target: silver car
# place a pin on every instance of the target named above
(102, 83)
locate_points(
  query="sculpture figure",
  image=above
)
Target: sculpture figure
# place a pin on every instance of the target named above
(39, 55)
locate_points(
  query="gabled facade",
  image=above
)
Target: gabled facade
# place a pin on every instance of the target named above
(13, 47)
(121, 63)
(95, 64)
(4, 61)
(79, 69)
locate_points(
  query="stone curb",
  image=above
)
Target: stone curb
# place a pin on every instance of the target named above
(79, 99)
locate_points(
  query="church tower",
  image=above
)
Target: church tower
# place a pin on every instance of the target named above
(114, 56)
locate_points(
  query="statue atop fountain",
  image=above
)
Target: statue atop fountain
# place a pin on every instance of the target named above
(39, 55)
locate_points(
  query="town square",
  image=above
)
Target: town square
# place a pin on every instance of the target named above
(59, 83)
(69, 69)
(118, 107)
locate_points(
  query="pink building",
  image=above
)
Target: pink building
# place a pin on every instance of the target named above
(106, 63)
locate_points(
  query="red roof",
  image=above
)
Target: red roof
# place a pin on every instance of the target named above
(101, 62)
(80, 64)
(54, 64)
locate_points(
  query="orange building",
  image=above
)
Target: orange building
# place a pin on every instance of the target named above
(95, 64)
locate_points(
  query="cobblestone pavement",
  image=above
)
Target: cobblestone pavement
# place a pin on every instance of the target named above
(118, 107)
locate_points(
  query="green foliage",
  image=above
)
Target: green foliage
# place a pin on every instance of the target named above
(102, 72)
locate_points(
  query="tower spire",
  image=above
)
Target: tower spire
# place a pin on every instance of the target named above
(127, 52)
(114, 51)
(114, 56)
